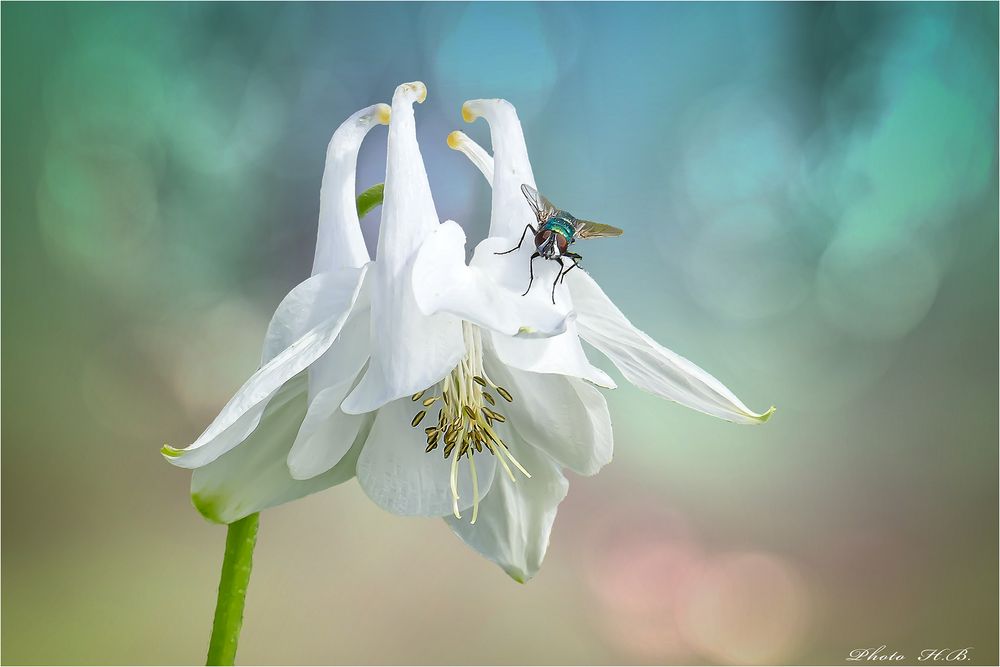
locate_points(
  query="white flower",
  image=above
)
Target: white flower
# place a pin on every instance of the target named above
(360, 357)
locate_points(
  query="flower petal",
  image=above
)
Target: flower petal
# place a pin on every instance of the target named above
(647, 364)
(460, 141)
(347, 356)
(565, 417)
(409, 351)
(515, 519)
(400, 477)
(562, 354)
(339, 242)
(443, 283)
(253, 477)
(327, 432)
(510, 212)
(241, 414)
(309, 303)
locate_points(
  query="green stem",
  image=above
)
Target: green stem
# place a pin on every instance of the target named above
(369, 199)
(236, 565)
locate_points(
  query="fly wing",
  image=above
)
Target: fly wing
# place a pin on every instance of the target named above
(588, 229)
(542, 207)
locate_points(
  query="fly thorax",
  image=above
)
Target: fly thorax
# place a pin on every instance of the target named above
(465, 400)
(562, 226)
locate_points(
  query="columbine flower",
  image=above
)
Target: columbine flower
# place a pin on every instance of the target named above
(445, 391)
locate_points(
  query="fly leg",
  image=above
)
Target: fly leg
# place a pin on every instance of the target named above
(523, 234)
(531, 271)
(559, 274)
(576, 262)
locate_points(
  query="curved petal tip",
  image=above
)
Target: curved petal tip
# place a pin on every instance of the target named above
(383, 112)
(489, 109)
(415, 90)
(170, 452)
(469, 113)
(456, 138)
(517, 575)
(767, 415)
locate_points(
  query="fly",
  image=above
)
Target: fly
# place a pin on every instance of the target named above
(557, 230)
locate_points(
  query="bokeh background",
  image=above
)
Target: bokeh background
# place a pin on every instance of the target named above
(810, 198)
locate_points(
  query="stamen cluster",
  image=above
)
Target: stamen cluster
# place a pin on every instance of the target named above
(466, 416)
(463, 427)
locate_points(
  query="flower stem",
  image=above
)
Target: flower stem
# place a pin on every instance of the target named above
(369, 199)
(236, 565)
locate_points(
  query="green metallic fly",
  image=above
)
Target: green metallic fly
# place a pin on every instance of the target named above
(557, 230)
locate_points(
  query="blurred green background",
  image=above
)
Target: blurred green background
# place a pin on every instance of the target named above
(810, 198)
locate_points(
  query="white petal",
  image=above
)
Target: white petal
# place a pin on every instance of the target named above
(516, 518)
(408, 212)
(512, 272)
(565, 417)
(309, 303)
(325, 435)
(460, 141)
(327, 432)
(339, 242)
(253, 477)
(560, 354)
(348, 354)
(399, 476)
(647, 364)
(510, 212)
(443, 283)
(240, 416)
(409, 350)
